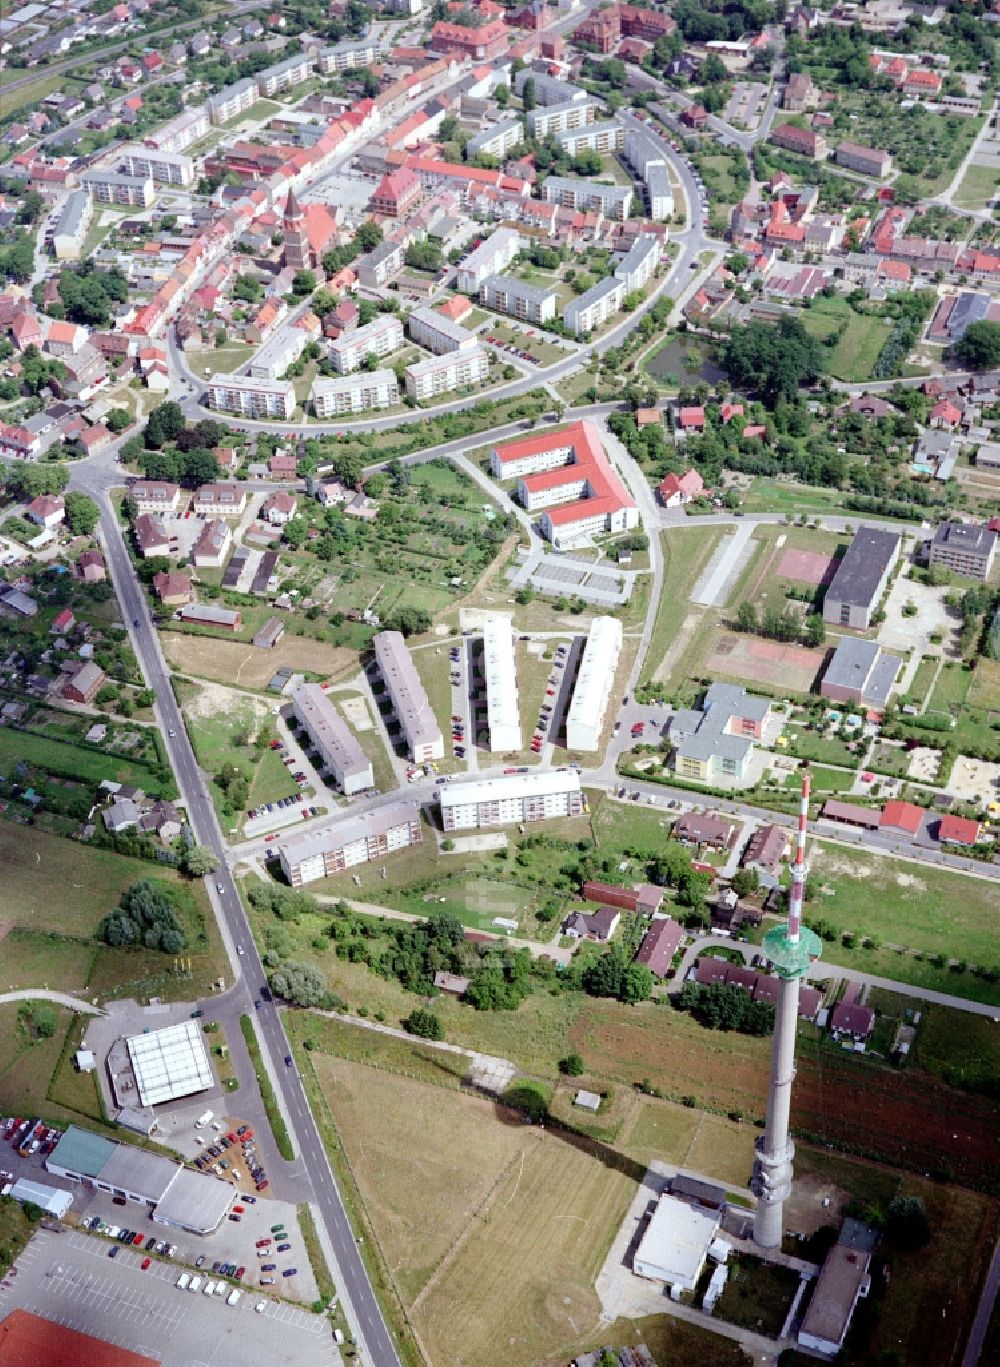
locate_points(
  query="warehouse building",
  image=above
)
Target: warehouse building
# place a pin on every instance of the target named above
(513, 797)
(176, 1196)
(333, 738)
(409, 698)
(675, 1245)
(593, 684)
(501, 683)
(860, 672)
(861, 578)
(347, 843)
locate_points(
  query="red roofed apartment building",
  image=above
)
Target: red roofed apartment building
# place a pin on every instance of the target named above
(567, 474)
(480, 44)
(801, 140)
(397, 194)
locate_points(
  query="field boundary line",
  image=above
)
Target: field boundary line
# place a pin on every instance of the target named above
(694, 1137)
(478, 1215)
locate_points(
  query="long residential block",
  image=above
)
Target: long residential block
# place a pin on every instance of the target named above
(490, 258)
(502, 708)
(442, 374)
(594, 681)
(165, 168)
(514, 797)
(381, 337)
(109, 187)
(438, 333)
(530, 303)
(251, 397)
(603, 137)
(409, 698)
(558, 118)
(232, 100)
(595, 306)
(354, 393)
(613, 201)
(333, 738)
(496, 140)
(346, 844)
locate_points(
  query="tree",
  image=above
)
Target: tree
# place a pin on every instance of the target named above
(368, 236)
(637, 984)
(746, 616)
(424, 1023)
(745, 882)
(303, 283)
(777, 361)
(411, 621)
(146, 915)
(571, 1065)
(117, 420)
(166, 423)
(248, 288)
(815, 629)
(199, 861)
(979, 348)
(81, 513)
(501, 93)
(528, 98)
(300, 984)
(906, 1223)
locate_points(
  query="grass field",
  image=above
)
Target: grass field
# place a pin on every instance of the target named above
(857, 349)
(757, 1296)
(80, 762)
(957, 1046)
(767, 495)
(28, 959)
(50, 885)
(977, 187)
(35, 90)
(489, 1227)
(686, 552)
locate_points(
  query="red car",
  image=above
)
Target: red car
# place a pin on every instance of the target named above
(145, 1263)
(239, 1273)
(137, 1239)
(240, 1210)
(263, 1243)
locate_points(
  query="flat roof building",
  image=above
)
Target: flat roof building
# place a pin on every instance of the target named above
(964, 548)
(861, 578)
(675, 1244)
(530, 303)
(337, 744)
(491, 257)
(347, 843)
(844, 1279)
(251, 397)
(200, 1203)
(593, 684)
(355, 393)
(170, 1063)
(860, 672)
(53, 1200)
(501, 683)
(409, 697)
(29, 1340)
(512, 797)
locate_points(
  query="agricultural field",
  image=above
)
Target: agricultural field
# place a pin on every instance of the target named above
(238, 662)
(481, 1220)
(54, 892)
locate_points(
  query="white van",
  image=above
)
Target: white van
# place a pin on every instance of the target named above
(233, 1297)
(195, 1284)
(209, 1288)
(182, 1282)
(203, 1120)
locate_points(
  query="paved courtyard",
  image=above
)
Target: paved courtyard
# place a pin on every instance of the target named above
(70, 1278)
(933, 617)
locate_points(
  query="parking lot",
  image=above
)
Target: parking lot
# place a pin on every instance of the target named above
(70, 1279)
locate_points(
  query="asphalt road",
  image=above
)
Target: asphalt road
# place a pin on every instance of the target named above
(355, 1290)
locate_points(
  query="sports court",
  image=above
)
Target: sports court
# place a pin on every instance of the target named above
(766, 662)
(806, 567)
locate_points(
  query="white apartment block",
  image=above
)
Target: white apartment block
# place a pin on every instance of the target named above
(232, 100)
(346, 844)
(355, 393)
(496, 140)
(559, 118)
(594, 307)
(165, 168)
(441, 374)
(180, 132)
(348, 57)
(282, 349)
(513, 797)
(381, 337)
(530, 303)
(641, 152)
(283, 75)
(646, 158)
(250, 397)
(108, 187)
(502, 708)
(438, 333)
(379, 266)
(548, 89)
(410, 704)
(595, 137)
(638, 266)
(659, 192)
(410, 7)
(613, 201)
(594, 681)
(336, 743)
(155, 496)
(71, 228)
(491, 257)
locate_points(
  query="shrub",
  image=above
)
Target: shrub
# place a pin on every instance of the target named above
(424, 1023)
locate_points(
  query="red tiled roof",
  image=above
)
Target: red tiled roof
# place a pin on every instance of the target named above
(903, 816)
(958, 830)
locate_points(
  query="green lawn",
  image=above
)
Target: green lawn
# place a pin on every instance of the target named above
(956, 1046)
(822, 749)
(857, 349)
(30, 959)
(82, 763)
(757, 1295)
(767, 495)
(35, 90)
(977, 187)
(686, 552)
(922, 680)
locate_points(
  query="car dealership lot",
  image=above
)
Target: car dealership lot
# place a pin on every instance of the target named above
(70, 1279)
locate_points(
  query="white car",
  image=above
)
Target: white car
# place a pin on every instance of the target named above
(260, 1307)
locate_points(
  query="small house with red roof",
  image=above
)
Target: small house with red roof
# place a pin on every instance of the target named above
(695, 116)
(754, 429)
(152, 61)
(62, 622)
(728, 411)
(676, 490)
(945, 414)
(659, 945)
(901, 818)
(691, 419)
(958, 830)
(852, 1019)
(47, 510)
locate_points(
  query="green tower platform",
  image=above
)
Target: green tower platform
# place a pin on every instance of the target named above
(792, 959)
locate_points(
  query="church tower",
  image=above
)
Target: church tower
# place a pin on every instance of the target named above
(296, 250)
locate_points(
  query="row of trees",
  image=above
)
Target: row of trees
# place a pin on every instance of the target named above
(727, 1008)
(781, 624)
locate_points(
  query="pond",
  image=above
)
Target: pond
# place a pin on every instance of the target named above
(684, 361)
